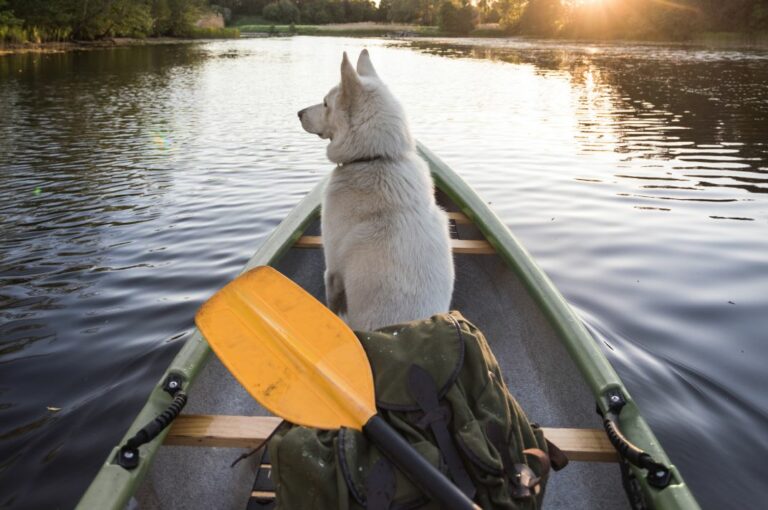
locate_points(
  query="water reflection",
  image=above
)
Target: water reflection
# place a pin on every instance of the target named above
(668, 131)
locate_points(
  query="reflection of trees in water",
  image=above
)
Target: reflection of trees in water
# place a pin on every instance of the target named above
(689, 120)
(65, 120)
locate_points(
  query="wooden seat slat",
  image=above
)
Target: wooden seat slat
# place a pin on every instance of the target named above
(466, 246)
(250, 432)
(459, 218)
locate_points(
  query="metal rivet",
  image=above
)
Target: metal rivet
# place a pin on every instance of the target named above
(614, 398)
(661, 474)
(173, 384)
(128, 454)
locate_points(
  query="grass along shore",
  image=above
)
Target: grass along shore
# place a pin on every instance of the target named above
(361, 29)
(259, 28)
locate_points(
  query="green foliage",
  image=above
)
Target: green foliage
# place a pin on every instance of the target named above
(509, 12)
(456, 20)
(358, 10)
(759, 16)
(250, 8)
(678, 19)
(239, 21)
(281, 11)
(7, 19)
(542, 17)
(176, 18)
(44, 20)
(320, 12)
(58, 20)
(405, 11)
(125, 17)
(215, 33)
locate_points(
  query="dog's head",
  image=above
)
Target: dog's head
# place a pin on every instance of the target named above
(360, 116)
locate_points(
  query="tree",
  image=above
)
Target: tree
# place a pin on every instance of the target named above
(456, 20)
(510, 12)
(405, 11)
(542, 17)
(281, 11)
(129, 17)
(176, 17)
(385, 6)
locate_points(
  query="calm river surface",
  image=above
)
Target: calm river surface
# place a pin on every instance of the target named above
(136, 181)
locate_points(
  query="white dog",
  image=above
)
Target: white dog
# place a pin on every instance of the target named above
(387, 247)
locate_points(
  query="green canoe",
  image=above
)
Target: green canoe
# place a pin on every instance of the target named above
(553, 367)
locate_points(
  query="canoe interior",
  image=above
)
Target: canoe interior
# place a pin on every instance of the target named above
(537, 368)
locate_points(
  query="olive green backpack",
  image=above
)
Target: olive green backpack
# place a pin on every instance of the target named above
(439, 385)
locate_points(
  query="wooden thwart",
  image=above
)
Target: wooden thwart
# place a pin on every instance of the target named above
(467, 246)
(250, 432)
(583, 444)
(459, 218)
(220, 430)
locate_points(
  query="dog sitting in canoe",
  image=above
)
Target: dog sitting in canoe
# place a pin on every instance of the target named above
(386, 242)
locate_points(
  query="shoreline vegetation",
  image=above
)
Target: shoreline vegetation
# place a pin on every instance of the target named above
(488, 30)
(51, 25)
(367, 29)
(63, 25)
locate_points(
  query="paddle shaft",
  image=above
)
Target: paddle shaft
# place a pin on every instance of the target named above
(415, 467)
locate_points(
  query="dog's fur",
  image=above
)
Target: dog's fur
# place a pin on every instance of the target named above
(387, 247)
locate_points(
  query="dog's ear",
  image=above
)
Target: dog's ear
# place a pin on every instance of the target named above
(350, 81)
(365, 66)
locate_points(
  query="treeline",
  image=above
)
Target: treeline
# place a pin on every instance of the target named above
(63, 20)
(677, 19)
(46, 20)
(453, 16)
(317, 12)
(567, 18)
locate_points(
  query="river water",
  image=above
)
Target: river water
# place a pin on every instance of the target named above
(136, 181)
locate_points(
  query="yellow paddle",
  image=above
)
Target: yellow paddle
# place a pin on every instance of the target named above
(304, 364)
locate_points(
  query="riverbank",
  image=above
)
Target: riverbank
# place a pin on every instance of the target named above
(113, 42)
(488, 30)
(364, 29)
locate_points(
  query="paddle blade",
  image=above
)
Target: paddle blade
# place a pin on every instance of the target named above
(291, 353)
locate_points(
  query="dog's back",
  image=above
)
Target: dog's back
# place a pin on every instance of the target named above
(387, 247)
(387, 242)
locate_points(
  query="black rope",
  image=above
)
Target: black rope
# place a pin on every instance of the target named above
(259, 447)
(128, 456)
(659, 475)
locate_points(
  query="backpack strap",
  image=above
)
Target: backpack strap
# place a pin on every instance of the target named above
(380, 486)
(424, 391)
(523, 480)
(557, 458)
